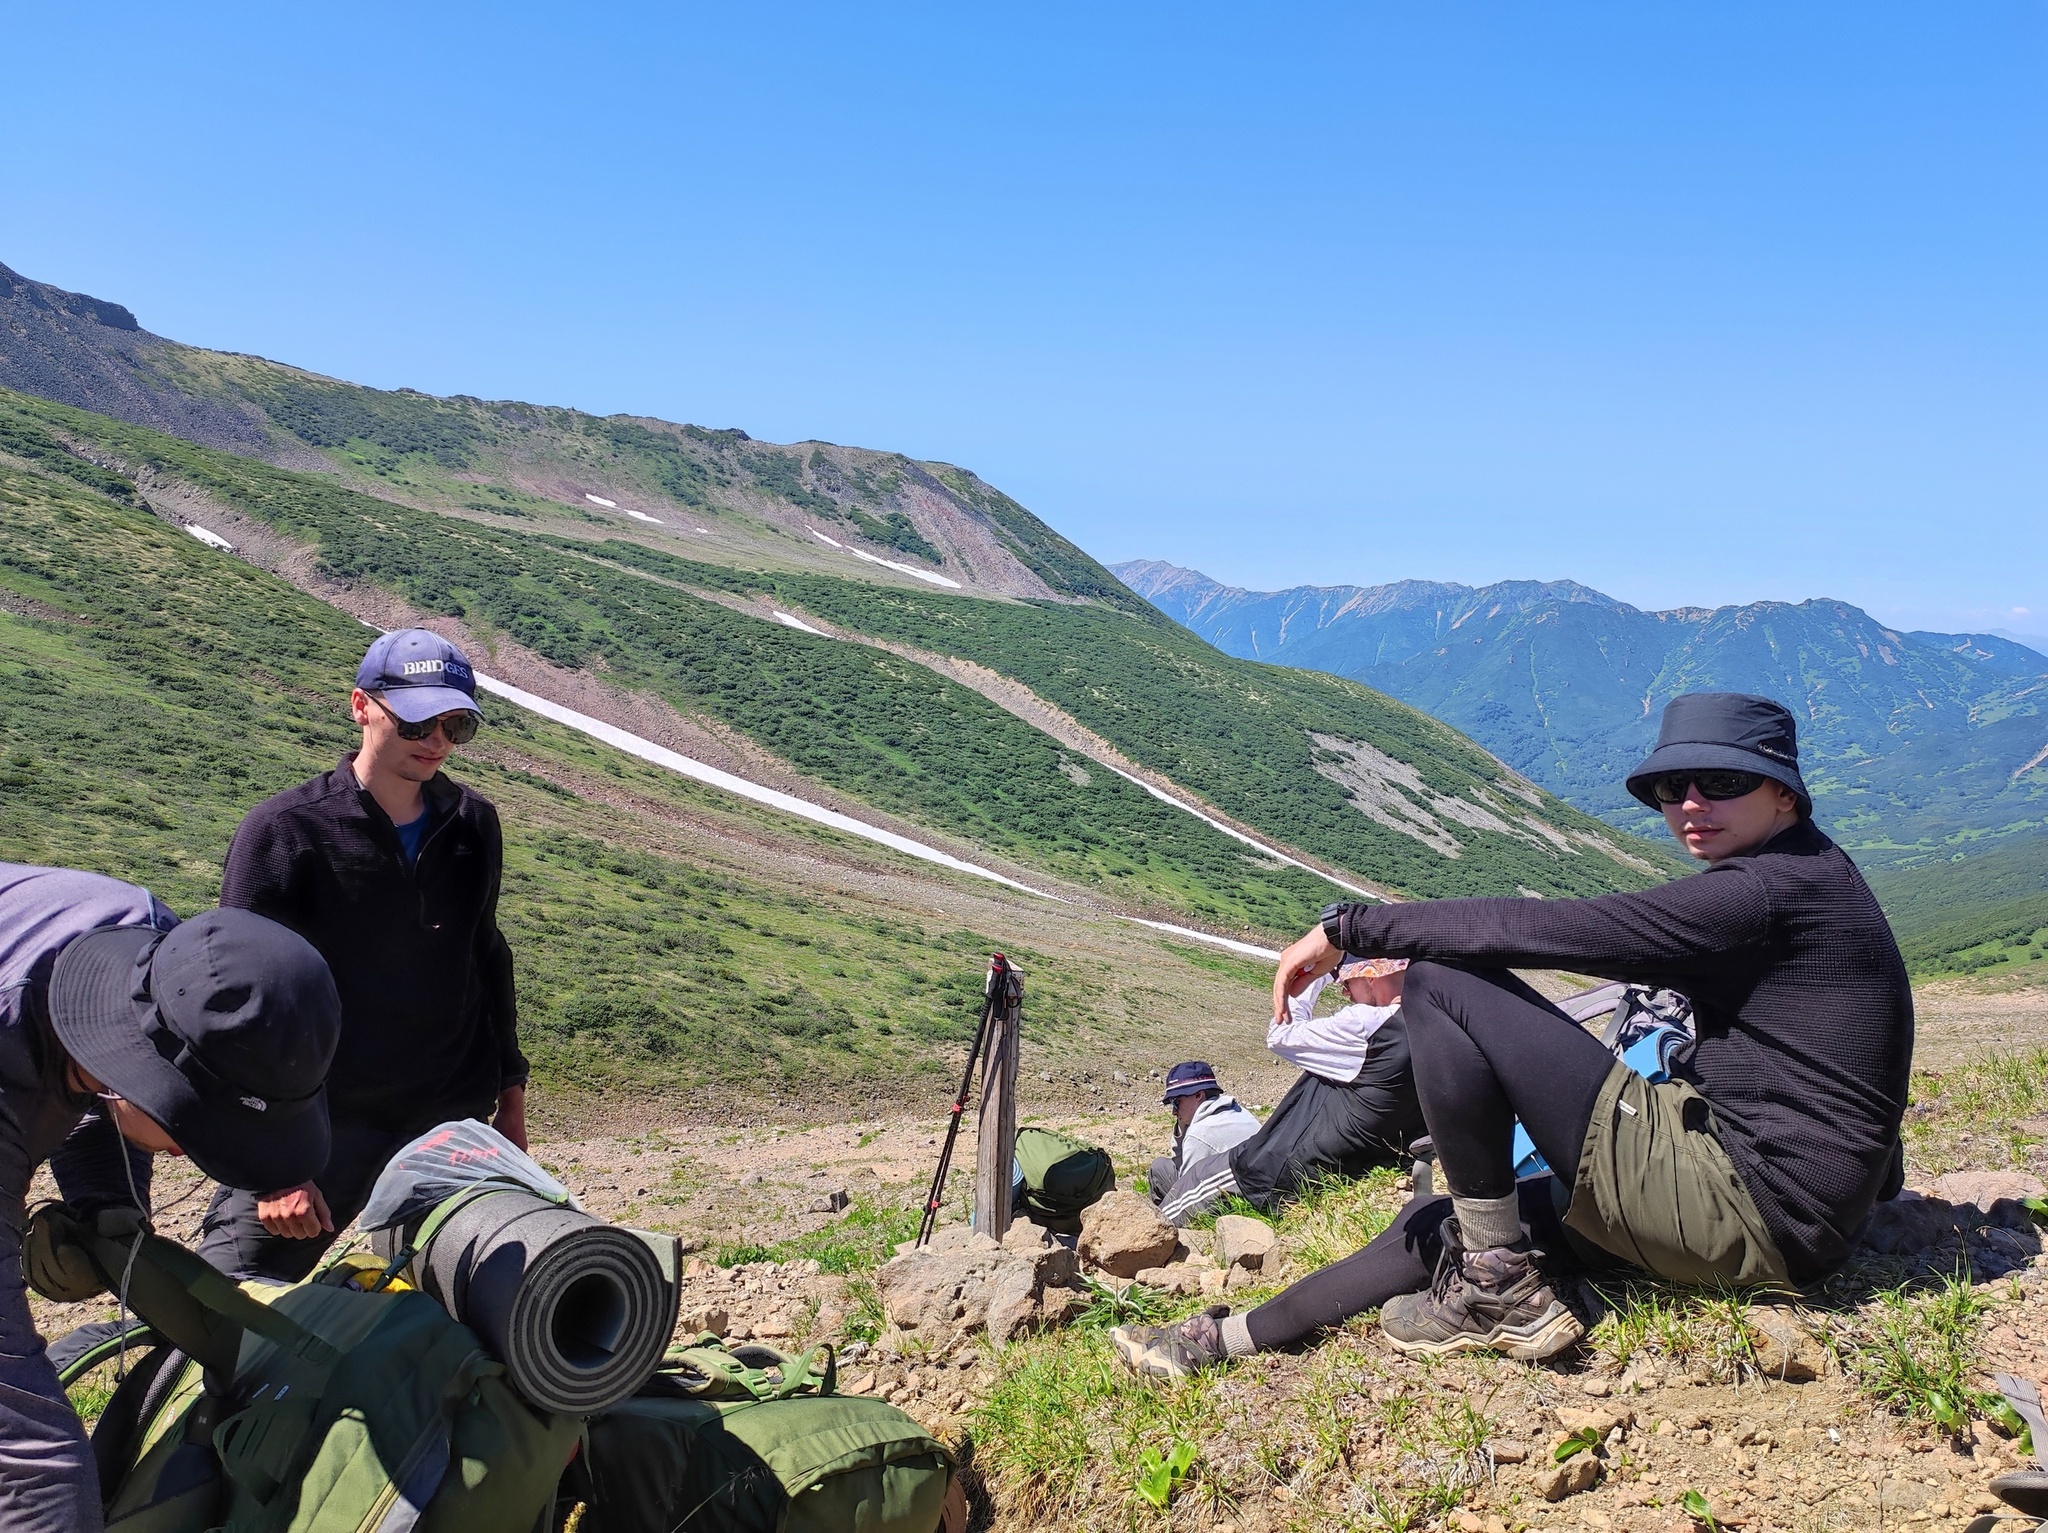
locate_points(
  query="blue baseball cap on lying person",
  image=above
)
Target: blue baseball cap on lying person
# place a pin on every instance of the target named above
(1190, 1079)
(420, 675)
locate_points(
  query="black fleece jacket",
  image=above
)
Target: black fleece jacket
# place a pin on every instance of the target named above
(1804, 1015)
(428, 1011)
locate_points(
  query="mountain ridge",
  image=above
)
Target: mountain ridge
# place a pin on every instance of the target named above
(1923, 741)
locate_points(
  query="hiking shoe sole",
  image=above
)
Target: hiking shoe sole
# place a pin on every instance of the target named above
(1546, 1336)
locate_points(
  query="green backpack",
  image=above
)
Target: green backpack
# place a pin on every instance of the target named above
(754, 1441)
(1062, 1176)
(315, 1408)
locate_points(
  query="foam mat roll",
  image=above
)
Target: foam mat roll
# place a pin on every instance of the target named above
(579, 1311)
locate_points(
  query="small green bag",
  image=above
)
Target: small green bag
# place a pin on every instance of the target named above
(753, 1441)
(1062, 1177)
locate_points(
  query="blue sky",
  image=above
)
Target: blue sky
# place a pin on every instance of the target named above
(1694, 304)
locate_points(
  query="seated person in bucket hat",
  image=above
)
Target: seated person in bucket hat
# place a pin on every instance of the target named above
(122, 1031)
(1352, 1108)
(1754, 1164)
(1207, 1124)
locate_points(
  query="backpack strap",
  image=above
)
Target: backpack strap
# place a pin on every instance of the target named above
(765, 1374)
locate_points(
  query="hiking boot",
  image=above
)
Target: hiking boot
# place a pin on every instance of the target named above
(1178, 1351)
(1482, 1301)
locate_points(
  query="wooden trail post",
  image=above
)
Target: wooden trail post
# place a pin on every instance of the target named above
(996, 1126)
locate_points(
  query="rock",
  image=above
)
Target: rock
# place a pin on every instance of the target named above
(1577, 1473)
(1984, 1188)
(1060, 1306)
(1123, 1234)
(1596, 1387)
(1507, 1451)
(1244, 1242)
(1027, 1237)
(753, 1179)
(1120, 1078)
(775, 1328)
(1013, 1302)
(1598, 1421)
(830, 1202)
(1175, 1277)
(1785, 1349)
(1213, 1281)
(710, 1317)
(699, 1268)
(1238, 1277)
(1909, 1223)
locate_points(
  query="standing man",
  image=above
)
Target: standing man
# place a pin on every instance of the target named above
(392, 871)
(123, 1034)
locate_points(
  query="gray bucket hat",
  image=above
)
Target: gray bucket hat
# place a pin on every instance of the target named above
(221, 1030)
(1724, 732)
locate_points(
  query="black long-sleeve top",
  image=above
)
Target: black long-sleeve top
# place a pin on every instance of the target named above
(428, 1011)
(1804, 1014)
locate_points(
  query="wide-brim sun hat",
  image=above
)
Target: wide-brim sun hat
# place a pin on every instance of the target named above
(1724, 732)
(221, 1030)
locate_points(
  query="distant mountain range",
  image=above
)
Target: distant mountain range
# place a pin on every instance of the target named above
(1919, 745)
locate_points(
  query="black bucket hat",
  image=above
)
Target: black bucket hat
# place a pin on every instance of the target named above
(1724, 731)
(221, 1030)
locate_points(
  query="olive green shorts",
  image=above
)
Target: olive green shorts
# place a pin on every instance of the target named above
(1655, 1188)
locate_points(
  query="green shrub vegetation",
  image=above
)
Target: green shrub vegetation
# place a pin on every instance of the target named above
(883, 729)
(1234, 731)
(152, 689)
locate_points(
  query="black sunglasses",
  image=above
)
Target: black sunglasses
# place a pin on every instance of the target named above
(460, 726)
(1670, 787)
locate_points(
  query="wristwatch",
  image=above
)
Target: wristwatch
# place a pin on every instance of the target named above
(1332, 920)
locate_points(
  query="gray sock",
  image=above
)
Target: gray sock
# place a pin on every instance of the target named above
(1237, 1337)
(1486, 1224)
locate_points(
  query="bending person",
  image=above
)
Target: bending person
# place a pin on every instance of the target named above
(122, 1034)
(1352, 1108)
(1754, 1164)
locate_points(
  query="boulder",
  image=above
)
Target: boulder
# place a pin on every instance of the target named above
(695, 1322)
(1245, 1242)
(1013, 1300)
(1784, 1348)
(1176, 1277)
(1059, 1306)
(1123, 1234)
(1024, 1236)
(829, 1202)
(941, 1297)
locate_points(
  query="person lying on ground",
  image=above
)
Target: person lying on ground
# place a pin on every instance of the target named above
(1352, 1108)
(1207, 1123)
(125, 1034)
(1754, 1165)
(392, 871)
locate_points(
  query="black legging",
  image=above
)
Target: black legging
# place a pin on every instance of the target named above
(1487, 1050)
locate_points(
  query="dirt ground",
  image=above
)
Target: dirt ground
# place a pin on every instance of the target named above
(748, 1202)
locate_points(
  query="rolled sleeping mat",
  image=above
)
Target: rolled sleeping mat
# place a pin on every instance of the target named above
(579, 1311)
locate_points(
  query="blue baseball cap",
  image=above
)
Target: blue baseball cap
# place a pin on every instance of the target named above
(1194, 1078)
(420, 675)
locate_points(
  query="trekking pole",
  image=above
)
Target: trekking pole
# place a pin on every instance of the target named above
(992, 992)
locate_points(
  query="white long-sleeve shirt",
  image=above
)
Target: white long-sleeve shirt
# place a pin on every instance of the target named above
(1333, 1047)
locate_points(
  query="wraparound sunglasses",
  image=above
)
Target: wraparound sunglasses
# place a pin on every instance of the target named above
(460, 726)
(1670, 787)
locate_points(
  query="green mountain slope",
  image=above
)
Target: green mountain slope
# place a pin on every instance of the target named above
(669, 938)
(1371, 785)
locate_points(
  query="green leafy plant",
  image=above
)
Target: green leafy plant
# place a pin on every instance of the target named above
(1585, 1440)
(1108, 1306)
(1695, 1506)
(1158, 1476)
